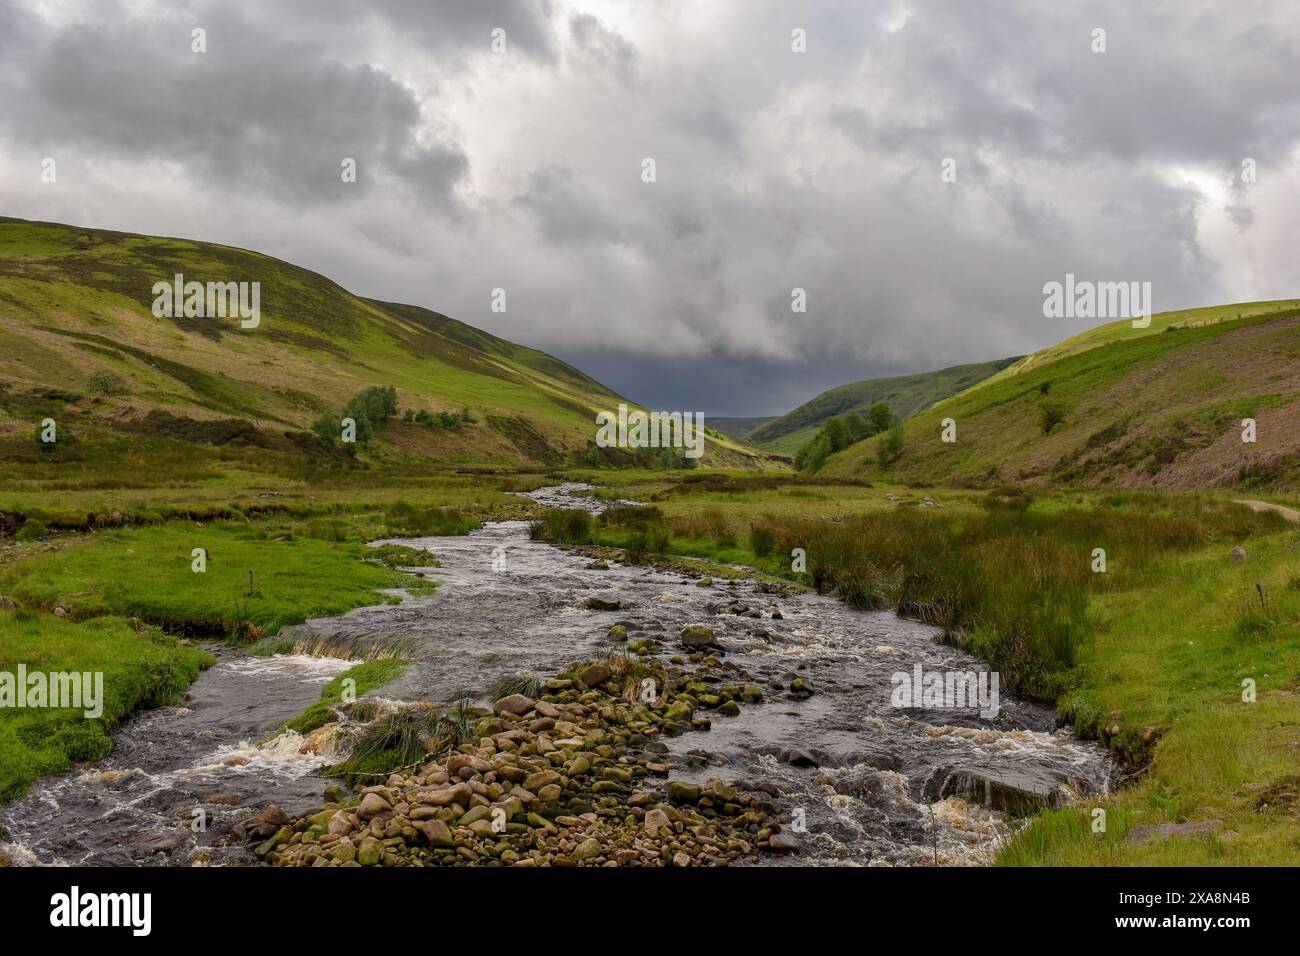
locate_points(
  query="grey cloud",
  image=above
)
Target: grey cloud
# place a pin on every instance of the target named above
(252, 113)
(566, 213)
(604, 48)
(461, 24)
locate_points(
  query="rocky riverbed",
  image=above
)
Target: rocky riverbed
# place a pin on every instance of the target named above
(769, 736)
(577, 777)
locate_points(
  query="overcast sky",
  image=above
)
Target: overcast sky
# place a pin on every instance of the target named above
(775, 169)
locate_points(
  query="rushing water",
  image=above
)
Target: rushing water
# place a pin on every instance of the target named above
(868, 783)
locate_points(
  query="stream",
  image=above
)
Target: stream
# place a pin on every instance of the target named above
(855, 780)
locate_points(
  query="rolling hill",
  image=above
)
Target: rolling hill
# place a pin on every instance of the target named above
(1116, 406)
(137, 394)
(904, 394)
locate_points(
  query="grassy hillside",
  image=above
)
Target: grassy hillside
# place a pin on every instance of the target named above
(904, 394)
(1123, 330)
(137, 398)
(1122, 407)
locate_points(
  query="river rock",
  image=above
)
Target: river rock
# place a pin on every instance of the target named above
(801, 688)
(679, 792)
(516, 705)
(542, 778)
(697, 635)
(436, 832)
(549, 793)
(594, 674)
(588, 849)
(372, 804)
(344, 853)
(719, 791)
(680, 710)
(599, 602)
(782, 843)
(654, 819)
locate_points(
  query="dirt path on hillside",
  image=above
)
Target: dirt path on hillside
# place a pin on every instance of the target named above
(1290, 514)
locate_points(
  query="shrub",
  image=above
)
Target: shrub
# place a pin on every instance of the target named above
(865, 586)
(1007, 498)
(104, 382)
(646, 542)
(328, 427)
(562, 526)
(32, 530)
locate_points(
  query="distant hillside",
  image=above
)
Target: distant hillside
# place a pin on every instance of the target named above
(197, 397)
(739, 427)
(1124, 407)
(905, 394)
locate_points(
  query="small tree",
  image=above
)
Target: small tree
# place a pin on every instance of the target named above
(818, 450)
(879, 418)
(837, 433)
(857, 425)
(890, 447)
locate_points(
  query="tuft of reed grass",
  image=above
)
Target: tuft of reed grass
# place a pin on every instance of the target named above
(530, 685)
(563, 526)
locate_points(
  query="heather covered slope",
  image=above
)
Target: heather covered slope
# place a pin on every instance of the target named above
(79, 343)
(1158, 408)
(904, 394)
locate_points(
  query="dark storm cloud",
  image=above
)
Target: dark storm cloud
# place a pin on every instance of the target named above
(715, 386)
